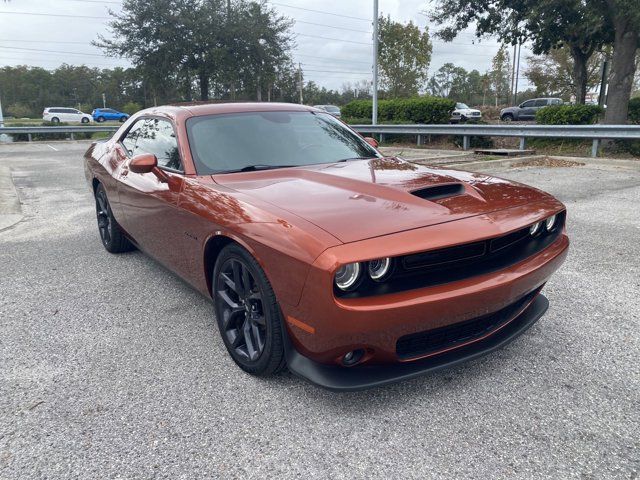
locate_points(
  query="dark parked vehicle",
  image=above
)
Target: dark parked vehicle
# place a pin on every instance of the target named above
(527, 110)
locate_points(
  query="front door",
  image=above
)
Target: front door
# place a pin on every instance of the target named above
(149, 201)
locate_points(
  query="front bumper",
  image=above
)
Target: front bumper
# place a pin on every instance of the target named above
(338, 378)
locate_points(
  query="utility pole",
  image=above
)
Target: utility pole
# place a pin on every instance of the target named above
(513, 72)
(1, 117)
(374, 118)
(300, 82)
(602, 96)
(515, 95)
(104, 101)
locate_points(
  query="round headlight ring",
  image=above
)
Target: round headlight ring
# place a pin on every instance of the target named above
(550, 223)
(379, 268)
(535, 229)
(347, 276)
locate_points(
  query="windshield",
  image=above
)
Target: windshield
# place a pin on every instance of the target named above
(461, 105)
(232, 142)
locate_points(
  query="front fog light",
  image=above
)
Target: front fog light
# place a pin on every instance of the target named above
(535, 229)
(347, 276)
(550, 223)
(379, 268)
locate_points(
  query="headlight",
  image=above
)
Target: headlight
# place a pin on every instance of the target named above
(378, 269)
(347, 276)
(535, 229)
(550, 223)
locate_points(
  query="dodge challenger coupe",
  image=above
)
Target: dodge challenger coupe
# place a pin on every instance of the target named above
(320, 254)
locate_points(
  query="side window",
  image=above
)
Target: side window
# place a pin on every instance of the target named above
(541, 103)
(556, 101)
(157, 136)
(129, 140)
(528, 104)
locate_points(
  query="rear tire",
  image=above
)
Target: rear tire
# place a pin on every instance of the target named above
(123, 119)
(84, 120)
(55, 120)
(247, 312)
(111, 233)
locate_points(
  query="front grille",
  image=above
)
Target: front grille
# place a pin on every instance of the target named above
(431, 341)
(451, 264)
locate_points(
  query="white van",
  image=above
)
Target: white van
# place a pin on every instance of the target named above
(63, 114)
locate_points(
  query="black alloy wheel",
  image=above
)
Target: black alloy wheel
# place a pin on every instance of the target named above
(84, 120)
(247, 312)
(111, 234)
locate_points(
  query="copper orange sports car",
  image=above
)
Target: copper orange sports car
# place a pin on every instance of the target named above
(320, 254)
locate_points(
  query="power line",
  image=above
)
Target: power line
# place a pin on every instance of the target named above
(334, 39)
(333, 59)
(56, 51)
(321, 11)
(55, 15)
(333, 26)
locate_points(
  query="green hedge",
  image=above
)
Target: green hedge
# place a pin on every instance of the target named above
(634, 110)
(429, 110)
(568, 115)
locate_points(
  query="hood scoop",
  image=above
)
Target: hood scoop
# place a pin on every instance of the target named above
(438, 192)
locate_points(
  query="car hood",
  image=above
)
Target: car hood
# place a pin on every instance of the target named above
(362, 199)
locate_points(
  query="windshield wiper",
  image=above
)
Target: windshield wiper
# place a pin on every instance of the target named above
(258, 167)
(354, 158)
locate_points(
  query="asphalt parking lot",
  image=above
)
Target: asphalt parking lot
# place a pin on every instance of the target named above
(112, 367)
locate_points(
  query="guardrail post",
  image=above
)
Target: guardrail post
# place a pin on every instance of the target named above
(72, 137)
(594, 147)
(523, 143)
(420, 140)
(466, 142)
(382, 138)
(29, 136)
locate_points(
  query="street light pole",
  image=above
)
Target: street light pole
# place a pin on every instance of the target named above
(374, 118)
(1, 117)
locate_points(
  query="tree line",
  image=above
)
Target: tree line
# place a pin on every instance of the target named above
(185, 50)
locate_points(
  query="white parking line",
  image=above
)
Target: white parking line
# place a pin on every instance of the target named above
(52, 148)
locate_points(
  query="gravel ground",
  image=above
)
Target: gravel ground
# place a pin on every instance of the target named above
(111, 367)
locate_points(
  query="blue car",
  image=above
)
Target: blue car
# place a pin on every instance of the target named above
(105, 114)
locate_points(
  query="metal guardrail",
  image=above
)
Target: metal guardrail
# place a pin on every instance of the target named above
(523, 132)
(592, 132)
(29, 131)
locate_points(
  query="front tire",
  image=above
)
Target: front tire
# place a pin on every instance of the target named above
(247, 312)
(507, 118)
(111, 233)
(100, 119)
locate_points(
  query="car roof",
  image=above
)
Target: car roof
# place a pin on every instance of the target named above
(196, 109)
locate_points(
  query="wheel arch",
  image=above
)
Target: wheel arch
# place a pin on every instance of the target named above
(212, 248)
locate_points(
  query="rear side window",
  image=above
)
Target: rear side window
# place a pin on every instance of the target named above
(541, 103)
(156, 136)
(556, 101)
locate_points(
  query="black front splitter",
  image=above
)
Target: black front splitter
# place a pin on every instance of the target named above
(336, 378)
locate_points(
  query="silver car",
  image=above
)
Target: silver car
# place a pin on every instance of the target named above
(331, 109)
(527, 110)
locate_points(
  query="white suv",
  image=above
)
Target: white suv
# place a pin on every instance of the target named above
(61, 114)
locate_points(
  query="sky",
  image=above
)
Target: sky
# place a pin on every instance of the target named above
(333, 37)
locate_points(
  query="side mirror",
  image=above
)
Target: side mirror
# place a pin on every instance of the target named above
(143, 163)
(371, 141)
